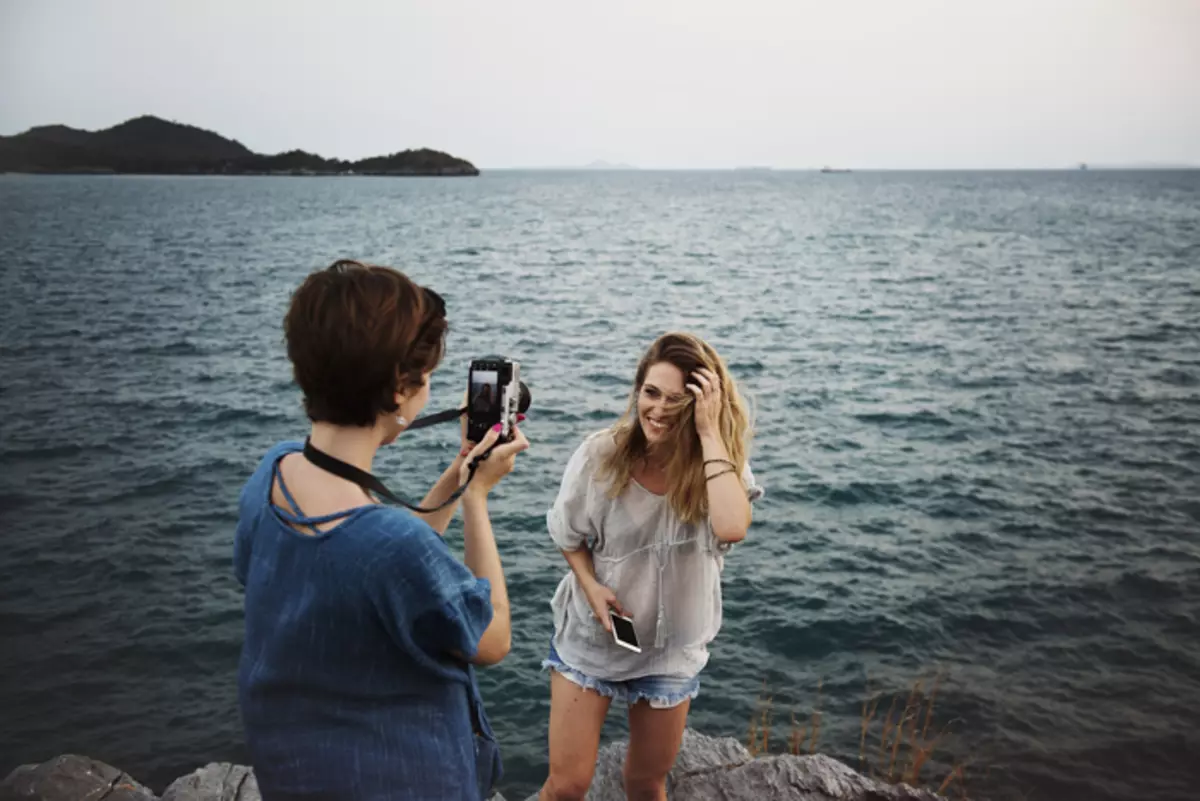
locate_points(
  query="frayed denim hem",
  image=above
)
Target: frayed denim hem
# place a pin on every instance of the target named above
(664, 700)
(605, 688)
(660, 692)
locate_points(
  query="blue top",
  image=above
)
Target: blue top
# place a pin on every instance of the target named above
(347, 683)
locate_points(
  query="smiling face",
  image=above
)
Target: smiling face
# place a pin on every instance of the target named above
(661, 390)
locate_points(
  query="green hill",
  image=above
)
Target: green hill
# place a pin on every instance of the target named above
(153, 146)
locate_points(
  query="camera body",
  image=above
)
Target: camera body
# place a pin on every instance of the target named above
(493, 396)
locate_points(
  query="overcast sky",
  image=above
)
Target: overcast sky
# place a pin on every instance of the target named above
(655, 83)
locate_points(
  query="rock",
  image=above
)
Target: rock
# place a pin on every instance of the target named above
(792, 778)
(72, 778)
(215, 782)
(707, 769)
(712, 769)
(700, 754)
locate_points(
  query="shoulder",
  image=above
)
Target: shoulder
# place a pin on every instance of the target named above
(398, 545)
(397, 534)
(276, 452)
(590, 453)
(261, 477)
(599, 444)
(411, 565)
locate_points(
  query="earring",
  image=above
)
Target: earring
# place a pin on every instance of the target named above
(400, 421)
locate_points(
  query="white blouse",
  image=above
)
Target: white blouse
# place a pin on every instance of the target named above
(666, 573)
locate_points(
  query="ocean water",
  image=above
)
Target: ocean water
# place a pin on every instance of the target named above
(978, 422)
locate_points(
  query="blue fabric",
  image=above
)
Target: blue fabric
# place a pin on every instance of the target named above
(348, 682)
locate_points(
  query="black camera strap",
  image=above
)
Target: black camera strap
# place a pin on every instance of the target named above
(369, 483)
(440, 417)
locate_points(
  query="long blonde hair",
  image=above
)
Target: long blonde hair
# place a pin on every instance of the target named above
(686, 482)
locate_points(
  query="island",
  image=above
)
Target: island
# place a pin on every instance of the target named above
(152, 146)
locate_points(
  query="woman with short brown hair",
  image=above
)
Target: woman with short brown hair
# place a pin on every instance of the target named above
(356, 680)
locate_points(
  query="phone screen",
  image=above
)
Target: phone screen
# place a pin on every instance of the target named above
(623, 629)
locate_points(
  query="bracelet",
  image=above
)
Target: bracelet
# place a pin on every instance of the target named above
(707, 462)
(720, 473)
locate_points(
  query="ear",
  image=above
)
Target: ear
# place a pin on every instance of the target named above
(403, 396)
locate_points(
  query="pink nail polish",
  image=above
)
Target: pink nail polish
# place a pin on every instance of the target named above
(520, 418)
(497, 428)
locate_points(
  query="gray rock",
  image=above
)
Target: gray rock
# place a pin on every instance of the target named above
(698, 754)
(792, 778)
(215, 782)
(712, 769)
(707, 769)
(72, 778)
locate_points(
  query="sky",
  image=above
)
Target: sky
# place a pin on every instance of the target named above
(865, 84)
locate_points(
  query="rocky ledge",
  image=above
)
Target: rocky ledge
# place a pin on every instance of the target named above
(707, 769)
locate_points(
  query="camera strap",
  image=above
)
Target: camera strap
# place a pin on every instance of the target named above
(432, 419)
(369, 483)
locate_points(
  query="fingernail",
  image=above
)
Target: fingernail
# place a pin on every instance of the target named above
(497, 428)
(520, 418)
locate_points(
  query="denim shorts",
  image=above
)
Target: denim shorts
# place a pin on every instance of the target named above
(661, 692)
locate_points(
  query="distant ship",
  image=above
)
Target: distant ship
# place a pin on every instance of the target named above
(1083, 165)
(834, 169)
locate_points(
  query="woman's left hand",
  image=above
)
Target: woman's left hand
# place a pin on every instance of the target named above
(707, 389)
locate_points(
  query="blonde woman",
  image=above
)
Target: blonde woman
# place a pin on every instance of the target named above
(645, 515)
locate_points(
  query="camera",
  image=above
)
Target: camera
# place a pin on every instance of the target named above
(494, 395)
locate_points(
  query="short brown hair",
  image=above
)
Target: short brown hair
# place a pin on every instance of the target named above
(356, 335)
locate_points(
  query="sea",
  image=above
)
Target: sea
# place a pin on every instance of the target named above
(977, 421)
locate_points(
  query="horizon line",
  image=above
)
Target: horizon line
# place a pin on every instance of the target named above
(765, 169)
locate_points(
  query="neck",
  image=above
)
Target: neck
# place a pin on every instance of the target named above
(654, 459)
(356, 446)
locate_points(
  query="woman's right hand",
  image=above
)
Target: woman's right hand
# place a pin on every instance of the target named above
(601, 599)
(496, 466)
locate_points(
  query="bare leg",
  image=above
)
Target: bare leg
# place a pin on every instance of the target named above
(654, 738)
(576, 718)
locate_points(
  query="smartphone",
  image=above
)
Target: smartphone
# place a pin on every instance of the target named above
(623, 631)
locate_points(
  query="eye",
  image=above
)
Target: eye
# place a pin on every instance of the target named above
(651, 392)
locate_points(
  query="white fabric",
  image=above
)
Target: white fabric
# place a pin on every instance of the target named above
(667, 574)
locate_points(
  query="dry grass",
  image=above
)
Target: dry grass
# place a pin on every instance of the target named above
(906, 743)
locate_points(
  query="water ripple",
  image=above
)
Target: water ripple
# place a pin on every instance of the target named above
(978, 408)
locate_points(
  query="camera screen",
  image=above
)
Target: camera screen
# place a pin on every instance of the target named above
(624, 630)
(485, 391)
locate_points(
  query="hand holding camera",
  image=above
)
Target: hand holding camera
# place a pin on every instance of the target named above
(496, 396)
(493, 466)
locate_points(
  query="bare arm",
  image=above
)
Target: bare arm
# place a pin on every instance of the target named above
(479, 552)
(483, 559)
(443, 489)
(728, 506)
(581, 564)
